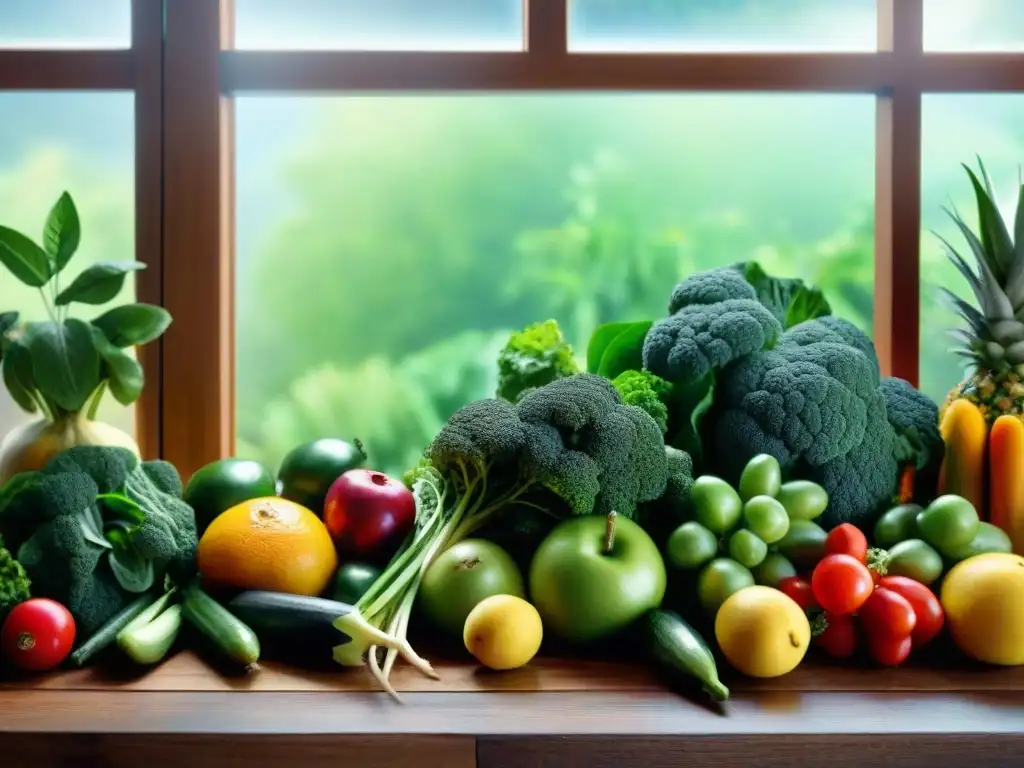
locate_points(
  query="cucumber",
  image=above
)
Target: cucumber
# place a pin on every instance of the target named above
(293, 625)
(230, 634)
(107, 634)
(678, 648)
(148, 643)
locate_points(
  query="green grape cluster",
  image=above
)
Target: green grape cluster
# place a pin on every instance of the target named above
(756, 533)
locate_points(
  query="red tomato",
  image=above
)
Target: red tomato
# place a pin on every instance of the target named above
(846, 539)
(799, 589)
(841, 584)
(840, 637)
(927, 608)
(887, 614)
(889, 651)
(38, 634)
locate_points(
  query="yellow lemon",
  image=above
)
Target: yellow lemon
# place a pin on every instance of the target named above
(762, 632)
(983, 598)
(503, 632)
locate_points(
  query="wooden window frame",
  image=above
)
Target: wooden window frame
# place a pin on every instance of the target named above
(185, 73)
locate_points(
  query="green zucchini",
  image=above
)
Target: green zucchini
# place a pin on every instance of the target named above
(678, 648)
(293, 626)
(107, 634)
(230, 634)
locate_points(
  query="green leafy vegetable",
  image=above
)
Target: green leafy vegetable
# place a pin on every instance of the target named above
(99, 283)
(24, 259)
(789, 299)
(533, 357)
(617, 347)
(15, 585)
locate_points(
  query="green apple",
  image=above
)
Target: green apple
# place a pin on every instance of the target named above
(593, 576)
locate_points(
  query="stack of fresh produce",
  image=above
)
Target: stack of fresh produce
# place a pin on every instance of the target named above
(747, 440)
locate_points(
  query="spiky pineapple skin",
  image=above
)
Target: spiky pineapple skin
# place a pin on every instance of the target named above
(994, 393)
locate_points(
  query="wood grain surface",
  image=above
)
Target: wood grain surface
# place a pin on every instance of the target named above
(187, 671)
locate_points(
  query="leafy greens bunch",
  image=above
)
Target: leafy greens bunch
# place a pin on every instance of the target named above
(569, 447)
(96, 527)
(63, 365)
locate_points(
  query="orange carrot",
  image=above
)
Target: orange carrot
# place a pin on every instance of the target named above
(1006, 478)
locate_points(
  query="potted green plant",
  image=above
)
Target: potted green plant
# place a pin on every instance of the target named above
(59, 368)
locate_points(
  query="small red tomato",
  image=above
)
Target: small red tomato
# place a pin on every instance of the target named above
(798, 589)
(887, 614)
(927, 608)
(841, 584)
(889, 651)
(846, 539)
(840, 637)
(38, 634)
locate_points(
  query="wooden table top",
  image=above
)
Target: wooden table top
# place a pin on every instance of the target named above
(569, 712)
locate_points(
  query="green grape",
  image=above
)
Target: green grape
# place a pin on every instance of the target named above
(716, 504)
(747, 549)
(767, 518)
(691, 545)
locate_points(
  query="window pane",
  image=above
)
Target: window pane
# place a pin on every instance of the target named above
(978, 25)
(92, 157)
(723, 25)
(387, 245)
(65, 24)
(956, 129)
(395, 25)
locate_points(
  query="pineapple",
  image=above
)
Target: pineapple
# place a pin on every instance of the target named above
(993, 339)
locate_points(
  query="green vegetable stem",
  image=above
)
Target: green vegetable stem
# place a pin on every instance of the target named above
(149, 636)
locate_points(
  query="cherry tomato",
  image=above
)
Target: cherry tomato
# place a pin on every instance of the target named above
(846, 539)
(799, 589)
(840, 637)
(927, 608)
(887, 614)
(889, 651)
(38, 634)
(841, 584)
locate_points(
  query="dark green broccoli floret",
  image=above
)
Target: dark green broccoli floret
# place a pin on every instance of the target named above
(716, 319)
(15, 584)
(108, 467)
(818, 408)
(533, 357)
(476, 437)
(164, 476)
(646, 391)
(915, 418)
(663, 515)
(587, 445)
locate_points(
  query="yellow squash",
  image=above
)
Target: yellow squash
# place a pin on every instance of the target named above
(1006, 478)
(966, 436)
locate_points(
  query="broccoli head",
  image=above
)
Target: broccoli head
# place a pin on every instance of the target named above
(666, 513)
(716, 319)
(481, 436)
(533, 357)
(591, 449)
(646, 391)
(816, 404)
(919, 446)
(95, 526)
(15, 584)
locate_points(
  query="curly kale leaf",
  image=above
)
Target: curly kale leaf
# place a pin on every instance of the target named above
(533, 357)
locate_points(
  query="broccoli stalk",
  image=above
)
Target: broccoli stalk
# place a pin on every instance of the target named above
(574, 439)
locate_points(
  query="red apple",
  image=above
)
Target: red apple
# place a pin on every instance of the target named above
(368, 514)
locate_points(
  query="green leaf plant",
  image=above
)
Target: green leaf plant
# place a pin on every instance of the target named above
(62, 366)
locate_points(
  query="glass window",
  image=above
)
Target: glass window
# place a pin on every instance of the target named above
(723, 25)
(385, 25)
(956, 130)
(974, 25)
(65, 24)
(92, 157)
(388, 245)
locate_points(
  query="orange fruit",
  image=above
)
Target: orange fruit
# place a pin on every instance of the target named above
(268, 543)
